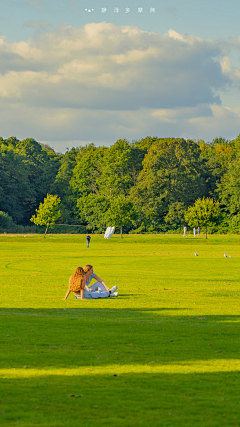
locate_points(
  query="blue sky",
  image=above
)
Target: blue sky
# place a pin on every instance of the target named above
(69, 77)
(205, 18)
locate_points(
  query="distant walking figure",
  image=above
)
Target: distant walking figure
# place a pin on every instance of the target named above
(184, 231)
(194, 231)
(198, 231)
(88, 240)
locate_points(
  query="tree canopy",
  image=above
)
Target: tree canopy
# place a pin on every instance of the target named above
(160, 177)
(48, 212)
(121, 212)
(204, 213)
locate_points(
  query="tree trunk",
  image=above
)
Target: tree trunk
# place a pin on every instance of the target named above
(46, 231)
(206, 233)
(121, 232)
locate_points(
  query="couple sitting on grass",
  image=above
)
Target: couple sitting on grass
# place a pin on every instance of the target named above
(79, 284)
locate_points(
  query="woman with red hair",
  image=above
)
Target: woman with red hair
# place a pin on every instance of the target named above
(77, 283)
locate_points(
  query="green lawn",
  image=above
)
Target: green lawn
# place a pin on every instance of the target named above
(166, 352)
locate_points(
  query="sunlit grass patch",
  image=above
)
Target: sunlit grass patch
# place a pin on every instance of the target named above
(165, 352)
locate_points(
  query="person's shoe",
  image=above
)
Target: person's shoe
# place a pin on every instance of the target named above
(113, 289)
(115, 294)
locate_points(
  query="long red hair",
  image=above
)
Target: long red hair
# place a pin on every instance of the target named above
(76, 282)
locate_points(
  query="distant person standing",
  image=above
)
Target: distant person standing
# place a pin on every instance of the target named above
(198, 231)
(194, 231)
(184, 231)
(88, 240)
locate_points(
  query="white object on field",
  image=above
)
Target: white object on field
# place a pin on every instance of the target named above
(225, 255)
(195, 254)
(109, 232)
(230, 256)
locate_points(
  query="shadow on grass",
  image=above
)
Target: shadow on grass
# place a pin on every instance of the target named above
(208, 399)
(53, 353)
(99, 337)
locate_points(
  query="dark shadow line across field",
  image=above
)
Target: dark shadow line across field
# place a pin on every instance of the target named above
(187, 398)
(53, 392)
(82, 311)
(148, 391)
(70, 337)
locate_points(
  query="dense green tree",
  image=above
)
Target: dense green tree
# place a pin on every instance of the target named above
(92, 209)
(120, 213)
(6, 221)
(67, 164)
(100, 175)
(41, 162)
(63, 188)
(175, 215)
(16, 193)
(144, 144)
(204, 213)
(87, 170)
(229, 188)
(116, 170)
(216, 156)
(48, 212)
(27, 172)
(162, 177)
(172, 172)
(229, 194)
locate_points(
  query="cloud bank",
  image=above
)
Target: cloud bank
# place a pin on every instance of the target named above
(104, 82)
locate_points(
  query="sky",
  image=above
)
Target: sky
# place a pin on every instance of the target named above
(73, 72)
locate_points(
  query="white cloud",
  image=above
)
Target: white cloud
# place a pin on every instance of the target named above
(66, 127)
(116, 64)
(228, 70)
(103, 82)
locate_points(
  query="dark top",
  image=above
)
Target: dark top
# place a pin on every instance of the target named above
(88, 238)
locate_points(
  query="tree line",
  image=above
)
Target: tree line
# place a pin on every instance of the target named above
(141, 186)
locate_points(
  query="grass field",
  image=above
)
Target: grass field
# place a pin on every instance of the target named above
(166, 352)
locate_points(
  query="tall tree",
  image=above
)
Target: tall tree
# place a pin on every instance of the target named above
(27, 172)
(172, 172)
(92, 209)
(121, 213)
(16, 192)
(87, 170)
(175, 215)
(116, 170)
(101, 174)
(48, 212)
(62, 186)
(204, 213)
(216, 156)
